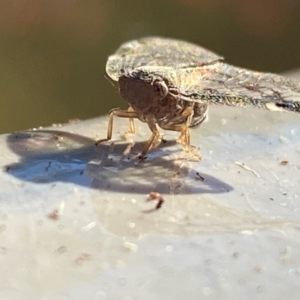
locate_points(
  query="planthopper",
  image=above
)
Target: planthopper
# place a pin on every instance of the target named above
(170, 84)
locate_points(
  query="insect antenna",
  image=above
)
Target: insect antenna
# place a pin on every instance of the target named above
(113, 83)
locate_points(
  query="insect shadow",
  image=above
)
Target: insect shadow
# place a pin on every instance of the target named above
(50, 156)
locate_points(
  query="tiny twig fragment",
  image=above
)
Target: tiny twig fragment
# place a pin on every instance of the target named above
(246, 168)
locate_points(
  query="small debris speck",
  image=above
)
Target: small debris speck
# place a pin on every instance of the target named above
(54, 215)
(199, 177)
(156, 196)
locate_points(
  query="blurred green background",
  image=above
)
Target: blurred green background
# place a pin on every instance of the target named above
(53, 53)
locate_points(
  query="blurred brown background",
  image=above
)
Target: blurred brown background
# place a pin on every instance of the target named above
(53, 53)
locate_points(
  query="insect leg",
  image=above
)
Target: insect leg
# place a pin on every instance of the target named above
(131, 121)
(119, 113)
(155, 135)
(184, 138)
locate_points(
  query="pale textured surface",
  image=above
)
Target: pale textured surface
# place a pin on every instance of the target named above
(234, 235)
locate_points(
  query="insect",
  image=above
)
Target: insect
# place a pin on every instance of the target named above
(170, 83)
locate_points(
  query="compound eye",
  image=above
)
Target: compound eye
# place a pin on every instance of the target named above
(161, 88)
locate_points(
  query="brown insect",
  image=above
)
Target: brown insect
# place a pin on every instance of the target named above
(170, 83)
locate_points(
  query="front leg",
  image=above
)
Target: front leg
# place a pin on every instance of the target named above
(152, 140)
(130, 113)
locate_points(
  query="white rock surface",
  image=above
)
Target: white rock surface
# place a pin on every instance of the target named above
(75, 224)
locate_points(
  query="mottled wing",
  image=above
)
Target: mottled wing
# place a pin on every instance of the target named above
(224, 84)
(157, 52)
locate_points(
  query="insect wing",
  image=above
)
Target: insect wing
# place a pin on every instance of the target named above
(158, 52)
(221, 83)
